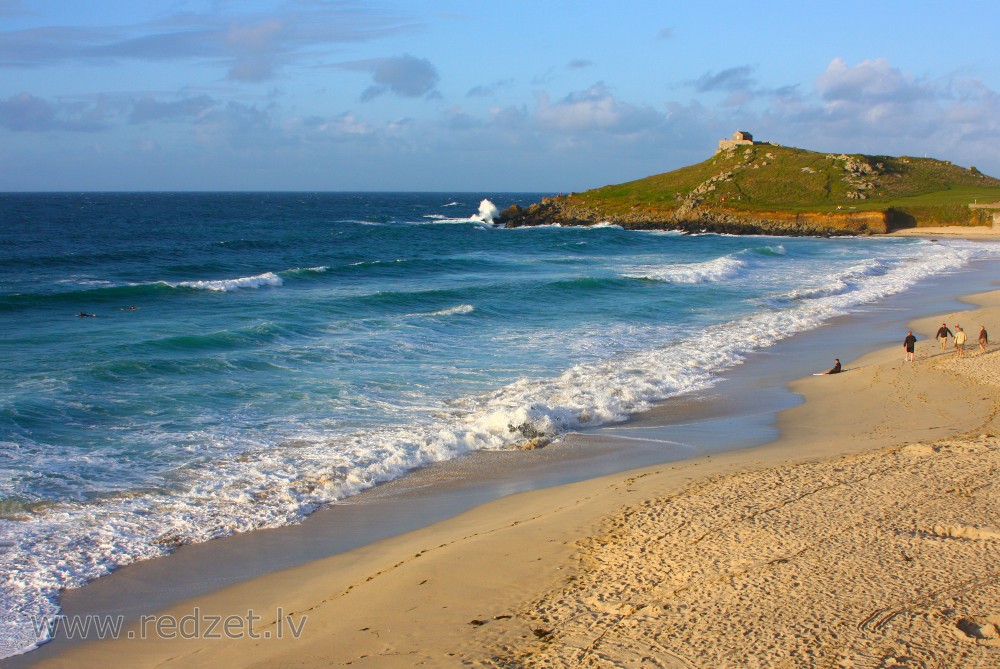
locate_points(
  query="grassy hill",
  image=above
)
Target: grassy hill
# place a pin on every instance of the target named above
(762, 179)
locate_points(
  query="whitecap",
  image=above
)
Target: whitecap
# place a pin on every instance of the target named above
(225, 285)
(718, 269)
(451, 311)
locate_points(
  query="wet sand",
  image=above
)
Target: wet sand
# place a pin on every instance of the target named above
(567, 575)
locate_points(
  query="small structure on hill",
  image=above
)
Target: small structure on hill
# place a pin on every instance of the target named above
(740, 138)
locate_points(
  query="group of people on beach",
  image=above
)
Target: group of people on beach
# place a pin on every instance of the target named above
(959, 340)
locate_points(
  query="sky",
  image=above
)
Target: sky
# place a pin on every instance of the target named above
(480, 95)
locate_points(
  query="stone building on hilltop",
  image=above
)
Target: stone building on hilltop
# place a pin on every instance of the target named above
(740, 138)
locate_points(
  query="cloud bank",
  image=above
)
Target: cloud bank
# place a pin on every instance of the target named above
(577, 139)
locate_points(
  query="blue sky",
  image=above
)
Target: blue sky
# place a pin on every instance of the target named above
(481, 95)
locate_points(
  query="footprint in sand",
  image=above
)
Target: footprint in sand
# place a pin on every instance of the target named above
(981, 631)
(965, 532)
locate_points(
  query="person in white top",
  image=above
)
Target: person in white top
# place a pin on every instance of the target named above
(960, 341)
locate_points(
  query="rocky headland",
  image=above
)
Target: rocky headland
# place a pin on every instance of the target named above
(751, 187)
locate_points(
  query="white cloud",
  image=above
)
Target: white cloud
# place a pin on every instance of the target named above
(250, 46)
(871, 81)
(594, 109)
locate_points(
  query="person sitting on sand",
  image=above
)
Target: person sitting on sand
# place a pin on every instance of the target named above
(960, 338)
(984, 338)
(908, 344)
(942, 336)
(836, 367)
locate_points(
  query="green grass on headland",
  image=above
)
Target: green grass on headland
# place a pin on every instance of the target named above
(772, 178)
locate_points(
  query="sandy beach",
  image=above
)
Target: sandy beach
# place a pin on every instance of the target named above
(980, 232)
(868, 535)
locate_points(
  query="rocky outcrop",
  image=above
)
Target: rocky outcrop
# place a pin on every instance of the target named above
(691, 219)
(859, 175)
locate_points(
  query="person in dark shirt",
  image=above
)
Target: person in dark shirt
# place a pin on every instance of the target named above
(836, 367)
(942, 336)
(909, 344)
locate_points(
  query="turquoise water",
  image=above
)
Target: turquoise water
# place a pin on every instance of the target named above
(254, 356)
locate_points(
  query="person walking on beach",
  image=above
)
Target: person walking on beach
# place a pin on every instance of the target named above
(984, 338)
(960, 341)
(942, 336)
(909, 343)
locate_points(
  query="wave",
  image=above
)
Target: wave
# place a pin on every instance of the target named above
(663, 233)
(220, 340)
(118, 294)
(778, 250)
(305, 271)
(842, 282)
(225, 285)
(487, 212)
(105, 291)
(376, 263)
(451, 311)
(718, 269)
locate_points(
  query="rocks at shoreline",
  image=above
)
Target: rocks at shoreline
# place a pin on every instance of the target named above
(690, 218)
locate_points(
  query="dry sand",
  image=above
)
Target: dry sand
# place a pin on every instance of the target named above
(867, 536)
(978, 232)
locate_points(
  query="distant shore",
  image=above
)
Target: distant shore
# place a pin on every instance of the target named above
(868, 532)
(951, 232)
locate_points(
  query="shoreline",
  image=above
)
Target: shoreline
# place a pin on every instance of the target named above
(973, 233)
(354, 563)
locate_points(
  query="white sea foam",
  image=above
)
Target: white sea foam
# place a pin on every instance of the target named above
(487, 212)
(264, 485)
(663, 233)
(85, 282)
(546, 226)
(840, 282)
(258, 281)
(718, 269)
(296, 271)
(451, 311)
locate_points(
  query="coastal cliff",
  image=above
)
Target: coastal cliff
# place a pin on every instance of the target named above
(760, 188)
(562, 211)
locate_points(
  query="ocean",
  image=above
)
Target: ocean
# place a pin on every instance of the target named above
(176, 367)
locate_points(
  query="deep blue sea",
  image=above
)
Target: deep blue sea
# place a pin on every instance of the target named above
(246, 358)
